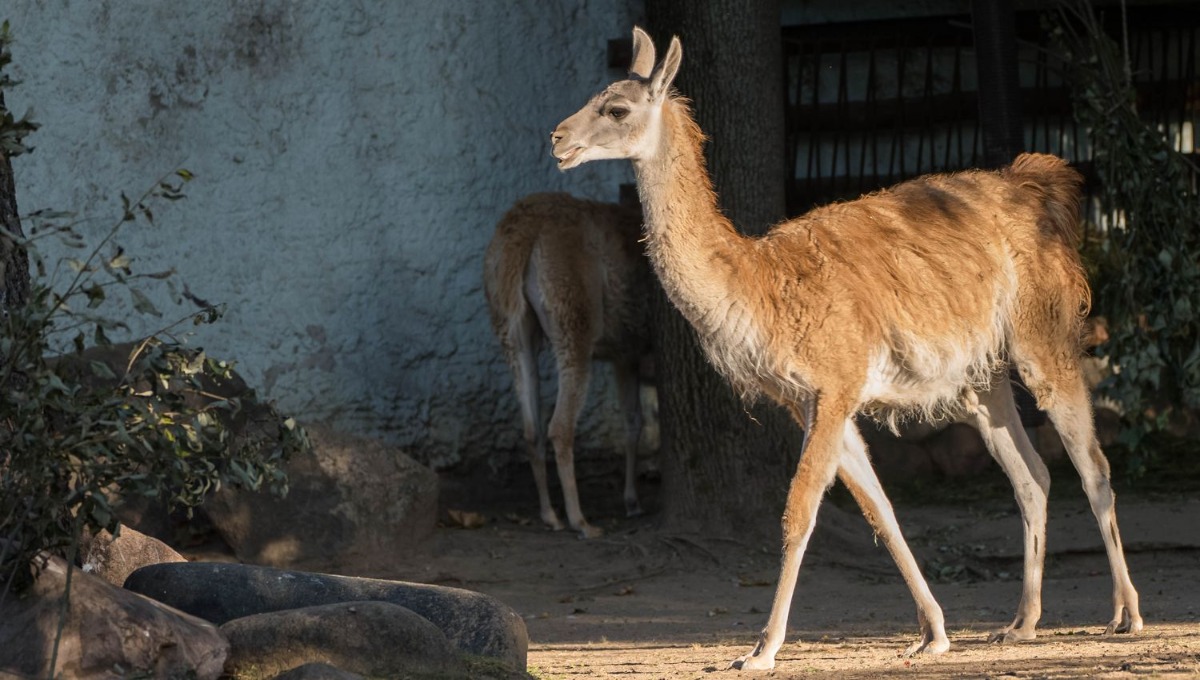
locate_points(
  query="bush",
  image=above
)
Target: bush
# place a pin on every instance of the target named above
(81, 427)
(83, 422)
(1146, 266)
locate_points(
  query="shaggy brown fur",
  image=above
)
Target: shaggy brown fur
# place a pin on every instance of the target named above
(909, 301)
(570, 271)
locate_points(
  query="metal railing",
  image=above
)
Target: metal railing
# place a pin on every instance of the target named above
(870, 104)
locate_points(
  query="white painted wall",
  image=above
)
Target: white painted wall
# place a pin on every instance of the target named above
(352, 157)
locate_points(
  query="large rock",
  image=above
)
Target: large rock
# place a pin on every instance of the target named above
(105, 627)
(113, 558)
(925, 451)
(353, 505)
(474, 623)
(317, 671)
(253, 425)
(896, 458)
(376, 639)
(958, 451)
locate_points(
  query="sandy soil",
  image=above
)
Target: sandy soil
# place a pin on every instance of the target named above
(642, 602)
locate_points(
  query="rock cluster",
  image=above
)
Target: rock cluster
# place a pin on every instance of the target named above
(243, 599)
(206, 620)
(138, 607)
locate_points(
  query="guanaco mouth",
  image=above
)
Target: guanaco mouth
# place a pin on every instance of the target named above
(569, 155)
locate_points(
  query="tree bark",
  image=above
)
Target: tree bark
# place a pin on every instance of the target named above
(999, 82)
(726, 463)
(14, 261)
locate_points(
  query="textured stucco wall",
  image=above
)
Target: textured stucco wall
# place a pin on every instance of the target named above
(352, 157)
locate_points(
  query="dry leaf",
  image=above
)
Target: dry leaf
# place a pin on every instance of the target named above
(466, 519)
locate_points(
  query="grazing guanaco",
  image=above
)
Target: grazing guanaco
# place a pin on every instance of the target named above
(570, 271)
(910, 301)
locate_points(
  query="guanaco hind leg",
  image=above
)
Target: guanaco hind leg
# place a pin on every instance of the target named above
(994, 413)
(1064, 397)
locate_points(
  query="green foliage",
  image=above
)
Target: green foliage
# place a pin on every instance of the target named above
(1146, 272)
(84, 423)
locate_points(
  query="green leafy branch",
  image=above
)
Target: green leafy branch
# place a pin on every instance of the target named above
(87, 424)
(1146, 265)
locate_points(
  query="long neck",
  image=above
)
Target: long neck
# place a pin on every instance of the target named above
(692, 245)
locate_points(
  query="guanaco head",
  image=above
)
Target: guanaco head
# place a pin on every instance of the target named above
(624, 120)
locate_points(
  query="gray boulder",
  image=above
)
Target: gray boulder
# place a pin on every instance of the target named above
(376, 639)
(105, 627)
(151, 516)
(352, 504)
(896, 458)
(923, 451)
(317, 671)
(474, 623)
(958, 451)
(113, 558)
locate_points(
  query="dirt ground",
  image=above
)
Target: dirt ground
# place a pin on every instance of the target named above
(642, 602)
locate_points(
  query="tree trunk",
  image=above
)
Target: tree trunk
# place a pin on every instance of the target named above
(14, 261)
(726, 463)
(1001, 124)
(999, 82)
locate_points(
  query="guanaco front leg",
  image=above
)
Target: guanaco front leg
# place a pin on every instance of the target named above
(827, 419)
(856, 473)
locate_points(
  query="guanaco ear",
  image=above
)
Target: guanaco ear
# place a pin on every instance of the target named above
(664, 75)
(643, 54)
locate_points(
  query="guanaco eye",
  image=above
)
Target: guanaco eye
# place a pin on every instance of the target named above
(618, 112)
